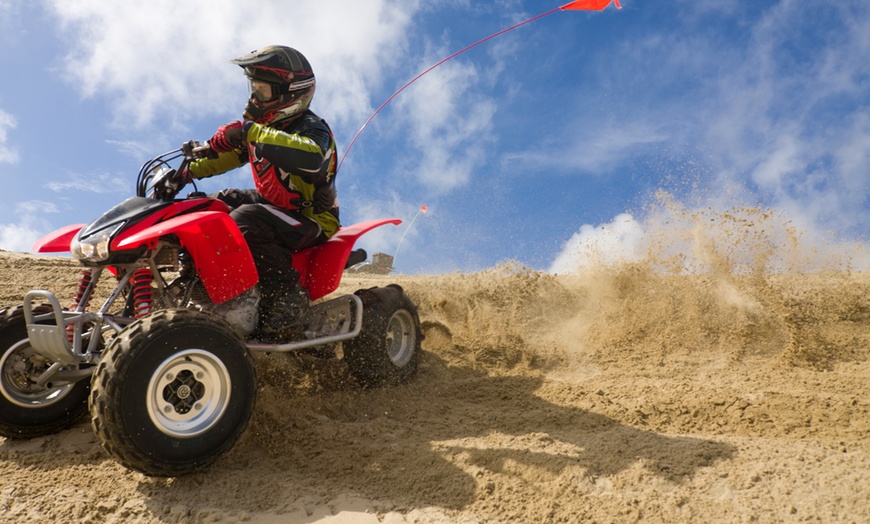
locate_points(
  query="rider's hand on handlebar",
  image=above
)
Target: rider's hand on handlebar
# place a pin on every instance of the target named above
(182, 177)
(228, 137)
(194, 150)
(204, 152)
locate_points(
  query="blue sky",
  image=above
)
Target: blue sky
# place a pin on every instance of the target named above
(530, 147)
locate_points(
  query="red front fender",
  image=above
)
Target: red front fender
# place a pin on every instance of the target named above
(57, 241)
(220, 253)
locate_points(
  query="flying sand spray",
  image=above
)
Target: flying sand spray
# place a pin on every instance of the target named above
(577, 5)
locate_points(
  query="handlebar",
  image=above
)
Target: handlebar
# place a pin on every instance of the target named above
(194, 150)
(158, 179)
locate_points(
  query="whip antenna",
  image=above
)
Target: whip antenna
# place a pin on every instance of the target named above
(578, 5)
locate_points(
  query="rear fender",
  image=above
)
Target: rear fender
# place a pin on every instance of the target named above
(320, 268)
(220, 253)
(57, 241)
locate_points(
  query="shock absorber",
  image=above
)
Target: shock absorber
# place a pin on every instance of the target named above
(143, 294)
(84, 282)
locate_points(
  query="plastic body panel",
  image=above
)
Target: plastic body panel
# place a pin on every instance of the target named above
(57, 241)
(220, 253)
(320, 267)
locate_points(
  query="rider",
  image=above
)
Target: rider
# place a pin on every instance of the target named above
(293, 159)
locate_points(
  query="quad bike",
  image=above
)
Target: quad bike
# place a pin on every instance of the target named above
(164, 365)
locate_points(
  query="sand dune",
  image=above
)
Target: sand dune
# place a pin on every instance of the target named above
(621, 394)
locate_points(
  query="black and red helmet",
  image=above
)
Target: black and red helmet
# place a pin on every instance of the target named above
(282, 83)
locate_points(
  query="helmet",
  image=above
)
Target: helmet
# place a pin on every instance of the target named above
(282, 83)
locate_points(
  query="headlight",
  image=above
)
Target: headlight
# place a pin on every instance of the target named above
(95, 248)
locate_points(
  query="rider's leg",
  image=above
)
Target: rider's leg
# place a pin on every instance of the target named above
(272, 235)
(237, 197)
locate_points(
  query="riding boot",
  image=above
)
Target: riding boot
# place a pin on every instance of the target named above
(282, 307)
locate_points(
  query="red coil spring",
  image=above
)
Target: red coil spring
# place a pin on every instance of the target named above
(143, 294)
(84, 282)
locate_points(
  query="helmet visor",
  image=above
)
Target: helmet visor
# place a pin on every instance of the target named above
(264, 91)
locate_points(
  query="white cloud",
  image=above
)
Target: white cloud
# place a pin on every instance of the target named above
(7, 19)
(8, 154)
(675, 238)
(798, 125)
(139, 150)
(448, 117)
(599, 246)
(782, 160)
(31, 226)
(589, 150)
(101, 183)
(18, 237)
(852, 156)
(167, 58)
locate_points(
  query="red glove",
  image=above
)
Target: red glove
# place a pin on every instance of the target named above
(228, 137)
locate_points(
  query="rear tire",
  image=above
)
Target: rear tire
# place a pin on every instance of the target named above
(173, 393)
(387, 350)
(28, 410)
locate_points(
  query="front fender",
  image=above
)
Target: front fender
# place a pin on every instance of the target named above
(57, 241)
(220, 253)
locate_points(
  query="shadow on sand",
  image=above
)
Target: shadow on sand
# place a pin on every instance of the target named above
(452, 437)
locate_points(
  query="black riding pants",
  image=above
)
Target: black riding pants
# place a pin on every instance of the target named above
(272, 234)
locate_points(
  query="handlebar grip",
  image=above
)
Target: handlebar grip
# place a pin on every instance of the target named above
(201, 151)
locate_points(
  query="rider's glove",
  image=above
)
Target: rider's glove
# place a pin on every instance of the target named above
(227, 138)
(183, 177)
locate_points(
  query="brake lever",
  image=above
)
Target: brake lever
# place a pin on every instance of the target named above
(193, 150)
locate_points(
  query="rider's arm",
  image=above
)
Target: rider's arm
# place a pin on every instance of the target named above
(206, 167)
(300, 153)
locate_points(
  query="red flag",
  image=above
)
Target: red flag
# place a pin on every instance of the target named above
(589, 5)
(424, 208)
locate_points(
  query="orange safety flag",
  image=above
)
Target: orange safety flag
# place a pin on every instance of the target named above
(424, 208)
(589, 5)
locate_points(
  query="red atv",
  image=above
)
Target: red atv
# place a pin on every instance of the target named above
(164, 364)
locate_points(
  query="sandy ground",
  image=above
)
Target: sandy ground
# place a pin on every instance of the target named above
(622, 395)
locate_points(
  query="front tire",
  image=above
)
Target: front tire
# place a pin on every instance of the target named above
(28, 410)
(387, 350)
(173, 393)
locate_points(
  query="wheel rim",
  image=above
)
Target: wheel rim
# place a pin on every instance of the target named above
(188, 393)
(21, 366)
(401, 337)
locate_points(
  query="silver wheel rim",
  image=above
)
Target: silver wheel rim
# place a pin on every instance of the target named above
(17, 378)
(401, 338)
(188, 393)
